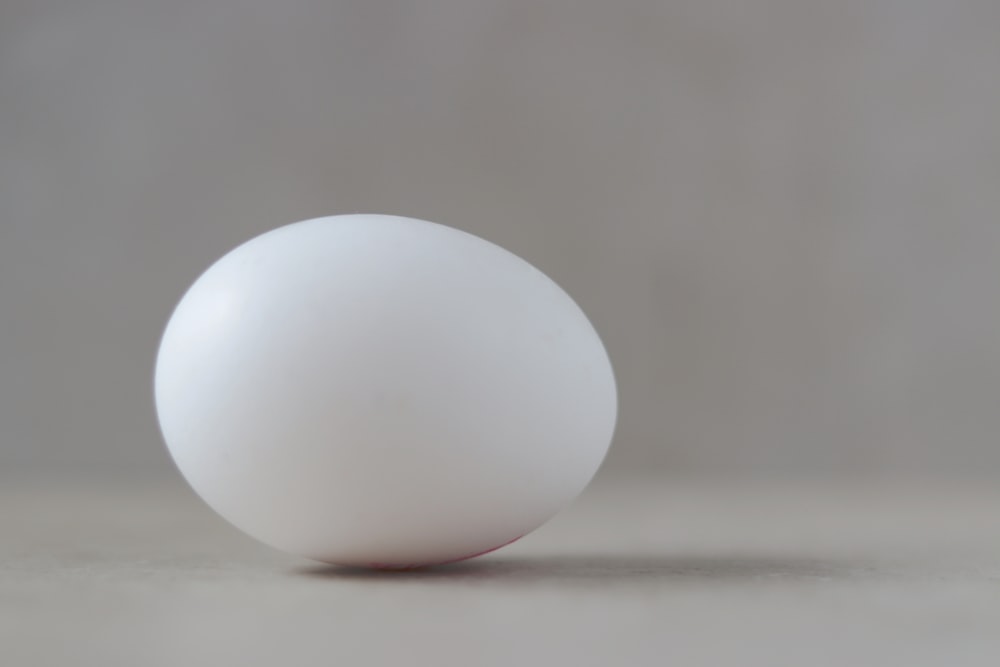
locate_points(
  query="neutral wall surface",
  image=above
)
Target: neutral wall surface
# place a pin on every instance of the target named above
(782, 216)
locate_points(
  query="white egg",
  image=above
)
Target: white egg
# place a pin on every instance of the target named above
(381, 391)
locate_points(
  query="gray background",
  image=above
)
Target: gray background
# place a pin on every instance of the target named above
(782, 216)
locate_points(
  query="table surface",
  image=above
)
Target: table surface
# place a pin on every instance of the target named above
(642, 570)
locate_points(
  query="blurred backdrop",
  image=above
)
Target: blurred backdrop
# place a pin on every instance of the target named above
(782, 216)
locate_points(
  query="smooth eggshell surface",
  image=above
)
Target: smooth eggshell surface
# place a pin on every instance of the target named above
(382, 391)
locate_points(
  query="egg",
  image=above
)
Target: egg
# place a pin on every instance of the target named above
(380, 391)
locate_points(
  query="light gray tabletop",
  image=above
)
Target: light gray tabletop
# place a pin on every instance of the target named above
(642, 570)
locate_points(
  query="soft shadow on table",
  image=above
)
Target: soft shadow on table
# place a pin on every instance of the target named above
(607, 569)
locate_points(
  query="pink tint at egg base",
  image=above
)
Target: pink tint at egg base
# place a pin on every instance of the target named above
(416, 566)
